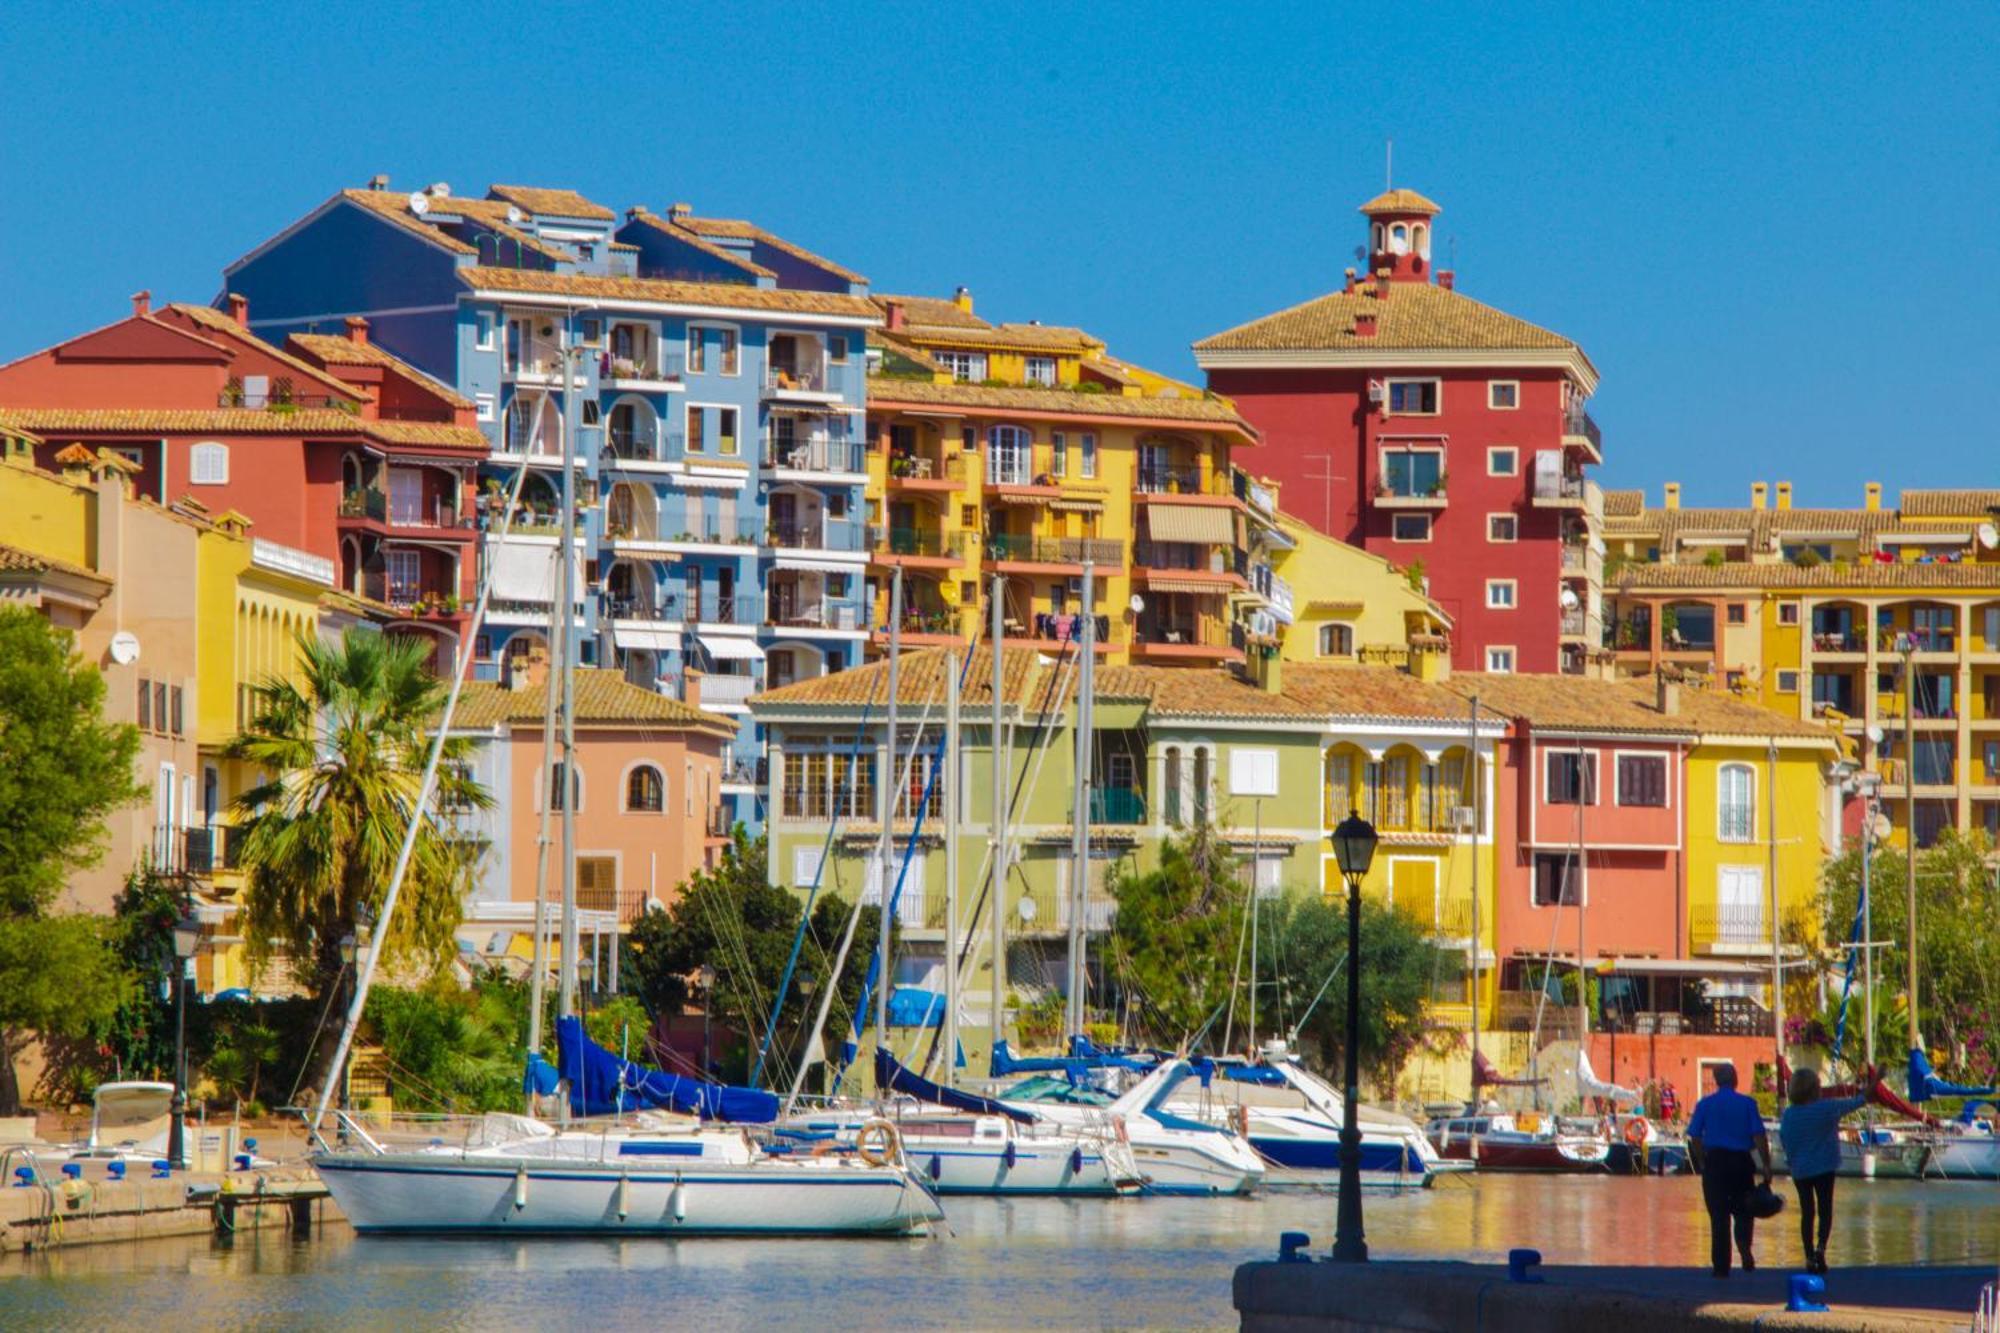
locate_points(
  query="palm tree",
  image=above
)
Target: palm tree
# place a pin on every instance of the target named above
(343, 742)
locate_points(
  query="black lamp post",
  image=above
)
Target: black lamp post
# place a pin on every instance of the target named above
(187, 938)
(1353, 848)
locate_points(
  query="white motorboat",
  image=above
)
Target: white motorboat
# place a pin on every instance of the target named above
(512, 1174)
(969, 1152)
(1964, 1149)
(1176, 1154)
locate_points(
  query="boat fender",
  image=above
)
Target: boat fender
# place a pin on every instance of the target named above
(937, 1167)
(677, 1202)
(1635, 1132)
(1007, 1157)
(520, 1188)
(624, 1195)
(1118, 1128)
(878, 1142)
(1242, 1117)
(1075, 1160)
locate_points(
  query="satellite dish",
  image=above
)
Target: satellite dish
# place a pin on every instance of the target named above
(420, 203)
(1569, 599)
(1137, 604)
(1875, 732)
(515, 215)
(124, 648)
(1027, 909)
(1989, 536)
(655, 905)
(440, 190)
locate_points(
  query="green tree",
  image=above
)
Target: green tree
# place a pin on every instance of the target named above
(63, 769)
(345, 741)
(1174, 938)
(1958, 942)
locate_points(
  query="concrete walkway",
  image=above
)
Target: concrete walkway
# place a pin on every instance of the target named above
(1436, 1297)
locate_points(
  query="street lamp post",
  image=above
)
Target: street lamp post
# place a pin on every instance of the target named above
(1353, 848)
(187, 938)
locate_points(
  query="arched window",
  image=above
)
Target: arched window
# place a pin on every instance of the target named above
(645, 790)
(1736, 803)
(1378, 238)
(1171, 781)
(1399, 239)
(1336, 640)
(208, 464)
(556, 786)
(1201, 781)
(1422, 235)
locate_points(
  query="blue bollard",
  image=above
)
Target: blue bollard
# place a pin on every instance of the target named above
(162, 1169)
(24, 1176)
(1803, 1288)
(250, 1145)
(116, 1170)
(1521, 1263)
(1291, 1247)
(72, 1170)
(243, 1161)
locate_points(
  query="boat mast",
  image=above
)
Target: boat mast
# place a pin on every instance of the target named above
(566, 599)
(1256, 849)
(1771, 873)
(1910, 816)
(1586, 790)
(1472, 836)
(998, 832)
(538, 984)
(1079, 850)
(886, 800)
(951, 824)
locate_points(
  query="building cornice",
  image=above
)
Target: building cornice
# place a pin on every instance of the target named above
(1567, 359)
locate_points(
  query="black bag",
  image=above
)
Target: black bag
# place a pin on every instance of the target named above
(1766, 1203)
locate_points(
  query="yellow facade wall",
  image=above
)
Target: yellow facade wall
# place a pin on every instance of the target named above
(1800, 835)
(1349, 587)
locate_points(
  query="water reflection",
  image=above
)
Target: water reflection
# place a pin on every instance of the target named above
(1022, 1264)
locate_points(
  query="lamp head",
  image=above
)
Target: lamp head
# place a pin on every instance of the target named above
(1354, 845)
(187, 937)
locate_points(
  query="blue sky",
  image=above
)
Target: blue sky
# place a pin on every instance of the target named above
(1772, 232)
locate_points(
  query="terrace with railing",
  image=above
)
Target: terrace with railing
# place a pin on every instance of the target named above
(833, 454)
(1024, 549)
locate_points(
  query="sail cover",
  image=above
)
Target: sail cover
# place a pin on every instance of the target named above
(1083, 1057)
(1588, 1084)
(1485, 1075)
(1925, 1084)
(891, 1075)
(602, 1084)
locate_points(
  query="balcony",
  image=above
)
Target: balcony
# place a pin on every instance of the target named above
(814, 615)
(810, 381)
(814, 537)
(916, 543)
(658, 610)
(1723, 1016)
(632, 372)
(275, 393)
(1729, 929)
(1556, 492)
(439, 515)
(1117, 805)
(1403, 495)
(839, 456)
(1575, 625)
(1275, 591)
(933, 625)
(207, 850)
(720, 691)
(1189, 557)
(1061, 627)
(742, 609)
(1161, 479)
(432, 598)
(1066, 551)
(1579, 431)
(1206, 639)
(916, 472)
(1256, 495)
(715, 532)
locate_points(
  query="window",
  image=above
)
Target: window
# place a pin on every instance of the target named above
(1788, 613)
(1500, 660)
(208, 464)
(1059, 454)
(404, 570)
(1010, 456)
(1557, 883)
(1736, 803)
(725, 432)
(160, 706)
(483, 406)
(1088, 454)
(1572, 778)
(1412, 472)
(1336, 640)
(1788, 682)
(697, 349)
(1041, 370)
(697, 430)
(1503, 395)
(1500, 594)
(1413, 397)
(597, 883)
(1502, 528)
(174, 707)
(836, 349)
(593, 414)
(1503, 461)
(1410, 527)
(556, 785)
(1171, 783)
(732, 358)
(1253, 772)
(645, 790)
(1642, 779)
(1736, 613)
(969, 367)
(482, 330)
(145, 704)
(593, 328)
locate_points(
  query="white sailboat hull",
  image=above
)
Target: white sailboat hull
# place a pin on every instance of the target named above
(1046, 1168)
(427, 1193)
(1965, 1157)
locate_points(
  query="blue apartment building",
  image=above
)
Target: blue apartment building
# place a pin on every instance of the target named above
(719, 376)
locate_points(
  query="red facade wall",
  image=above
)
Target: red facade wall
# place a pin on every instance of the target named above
(1630, 1060)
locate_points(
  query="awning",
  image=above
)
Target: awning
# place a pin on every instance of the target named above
(650, 640)
(1078, 506)
(1208, 524)
(710, 480)
(817, 564)
(526, 571)
(726, 649)
(1167, 583)
(1660, 967)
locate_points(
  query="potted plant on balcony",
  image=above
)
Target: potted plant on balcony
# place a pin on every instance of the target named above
(451, 604)
(1437, 487)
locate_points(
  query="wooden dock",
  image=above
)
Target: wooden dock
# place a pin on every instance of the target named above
(96, 1208)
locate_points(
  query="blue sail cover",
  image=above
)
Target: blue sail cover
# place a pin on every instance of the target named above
(1263, 1075)
(915, 1007)
(602, 1084)
(1083, 1057)
(1925, 1085)
(892, 1076)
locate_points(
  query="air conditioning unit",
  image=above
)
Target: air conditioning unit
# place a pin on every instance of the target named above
(1076, 586)
(1377, 391)
(1462, 820)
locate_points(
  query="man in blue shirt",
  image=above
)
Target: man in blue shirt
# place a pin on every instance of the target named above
(1723, 1132)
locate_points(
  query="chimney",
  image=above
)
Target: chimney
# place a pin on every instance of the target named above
(1364, 324)
(1348, 288)
(1430, 658)
(1757, 492)
(1445, 278)
(239, 310)
(379, 181)
(1670, 495)
(637, 211)
(679, 212)
(1871, 496)
(142, 303)
(691, 688)
(1784, 495)
(894, 314)
(962, 298)
(1263, 667)
(1381, 284)
(1666, 694)
(357, 330)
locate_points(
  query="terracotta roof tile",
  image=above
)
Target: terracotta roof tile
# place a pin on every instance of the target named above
(1417, 316)
(935, 311)
(667, 227)
(338, 350)
(1738, 574)
(237, 421)
(1399, 201)
(720, 294)
(603, 698)
(220, 322)
(396, 208)
(1972, 504)
(1590, 705)
(1624, 504)
(740, 229)
(16, 560)
(551, 203)
(885, 389)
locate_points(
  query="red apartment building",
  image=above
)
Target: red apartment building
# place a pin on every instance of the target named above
(328, 445)
(1404, 417)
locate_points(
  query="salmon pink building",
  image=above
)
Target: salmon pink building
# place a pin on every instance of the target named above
(1406, 418)
(329, 446)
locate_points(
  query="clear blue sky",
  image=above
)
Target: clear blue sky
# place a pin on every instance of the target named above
(1773, 234)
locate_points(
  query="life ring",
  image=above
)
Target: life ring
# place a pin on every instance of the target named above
(878, 1142)
(1635, 1132)
(1118, 1128)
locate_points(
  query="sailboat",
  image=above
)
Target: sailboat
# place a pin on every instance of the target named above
(647, 1174)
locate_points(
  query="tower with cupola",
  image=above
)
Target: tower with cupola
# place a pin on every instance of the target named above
(1399, 234)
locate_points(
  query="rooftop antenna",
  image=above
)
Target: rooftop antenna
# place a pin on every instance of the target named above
(1388, 164)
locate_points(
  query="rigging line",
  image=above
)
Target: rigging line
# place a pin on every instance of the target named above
(1306, 1017)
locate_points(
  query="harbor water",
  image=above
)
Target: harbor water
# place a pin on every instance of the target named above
(1020, 1264)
